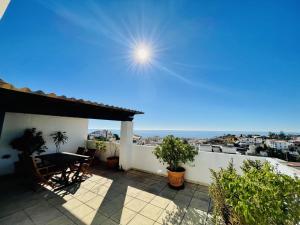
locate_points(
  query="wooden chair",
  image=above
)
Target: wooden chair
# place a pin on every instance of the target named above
(81, 151)
(42, 174)
(85, 168)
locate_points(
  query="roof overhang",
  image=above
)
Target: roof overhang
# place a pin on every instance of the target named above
(32, 103)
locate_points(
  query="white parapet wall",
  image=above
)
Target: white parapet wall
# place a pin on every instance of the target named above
(198, 172)
(111, 149)
(142, 158)
(15, 124)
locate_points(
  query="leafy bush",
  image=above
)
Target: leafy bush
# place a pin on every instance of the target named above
(260, 195)
(175, 152)
(31, 141)
(100, 146)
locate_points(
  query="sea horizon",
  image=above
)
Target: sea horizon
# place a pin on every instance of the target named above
(189, 133)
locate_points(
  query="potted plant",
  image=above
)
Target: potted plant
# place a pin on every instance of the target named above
(59, 138)
(175, 152)
(100, 146)
(29, 143)
(112, 161)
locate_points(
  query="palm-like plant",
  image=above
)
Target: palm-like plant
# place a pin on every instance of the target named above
(59, 138)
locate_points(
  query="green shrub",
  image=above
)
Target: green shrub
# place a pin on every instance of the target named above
(175, 152)
(260, 195)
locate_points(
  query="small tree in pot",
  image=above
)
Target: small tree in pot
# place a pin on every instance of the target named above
(30, 142)
(175, 152)
(59, 138)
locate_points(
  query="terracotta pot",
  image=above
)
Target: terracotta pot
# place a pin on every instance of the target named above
(176, 179)
(112, 162)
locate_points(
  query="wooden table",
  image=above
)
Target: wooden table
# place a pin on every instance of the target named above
(64, 161)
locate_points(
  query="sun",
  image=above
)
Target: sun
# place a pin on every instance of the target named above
(142, 54)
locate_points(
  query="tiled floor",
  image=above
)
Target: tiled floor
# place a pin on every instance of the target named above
(107, 197)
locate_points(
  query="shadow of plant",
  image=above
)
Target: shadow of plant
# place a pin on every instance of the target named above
(183, 215)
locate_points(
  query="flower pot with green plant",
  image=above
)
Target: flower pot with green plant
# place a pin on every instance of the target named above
(31, 142)
(59, 138)
(175, 152)
(100, 147)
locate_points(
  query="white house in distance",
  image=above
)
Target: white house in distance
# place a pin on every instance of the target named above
(278, 144)
(21, 108)
(254, 140)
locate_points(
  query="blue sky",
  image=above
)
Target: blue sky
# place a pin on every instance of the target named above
(216, 65)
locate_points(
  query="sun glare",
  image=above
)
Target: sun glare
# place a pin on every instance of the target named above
(142, 54)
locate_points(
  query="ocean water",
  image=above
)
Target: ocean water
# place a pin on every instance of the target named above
(185, 133)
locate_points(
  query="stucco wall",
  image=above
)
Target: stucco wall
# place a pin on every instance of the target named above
(198, 172)
(110, 149)
(15, 123)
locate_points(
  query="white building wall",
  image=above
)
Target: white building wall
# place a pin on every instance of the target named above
(15, 124)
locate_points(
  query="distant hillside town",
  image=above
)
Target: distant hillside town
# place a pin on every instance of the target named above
(278, 145)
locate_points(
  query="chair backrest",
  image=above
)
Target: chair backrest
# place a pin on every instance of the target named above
(81, 151)
(90, 152)
(32, 167)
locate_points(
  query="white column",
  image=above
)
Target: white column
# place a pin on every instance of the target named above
(126, 144)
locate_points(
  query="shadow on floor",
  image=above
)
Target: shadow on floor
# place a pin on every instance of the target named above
(107, 197)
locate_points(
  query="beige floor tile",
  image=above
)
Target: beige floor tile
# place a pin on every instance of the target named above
(62, 220)
(141, 220)
(88, 184)
(8, 208)
(71, 204)
(173, 214)
(194, 216)
(123, 216)
(109, 222)
(170, 218)
(145, 196)
(160, 201)
(151, 211)
(201, 195)
(103, 190)
(133, 192)
(18, 218)
(57, 201)
(81, 211)
(168, 193)
(94, 218)
(86, 196)
(108, 208)
(136, 205)
(199, 204)
(80, 191)
(42, 213)
(96, 202)
(66, 197)
(128, 199)
(182, 199)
